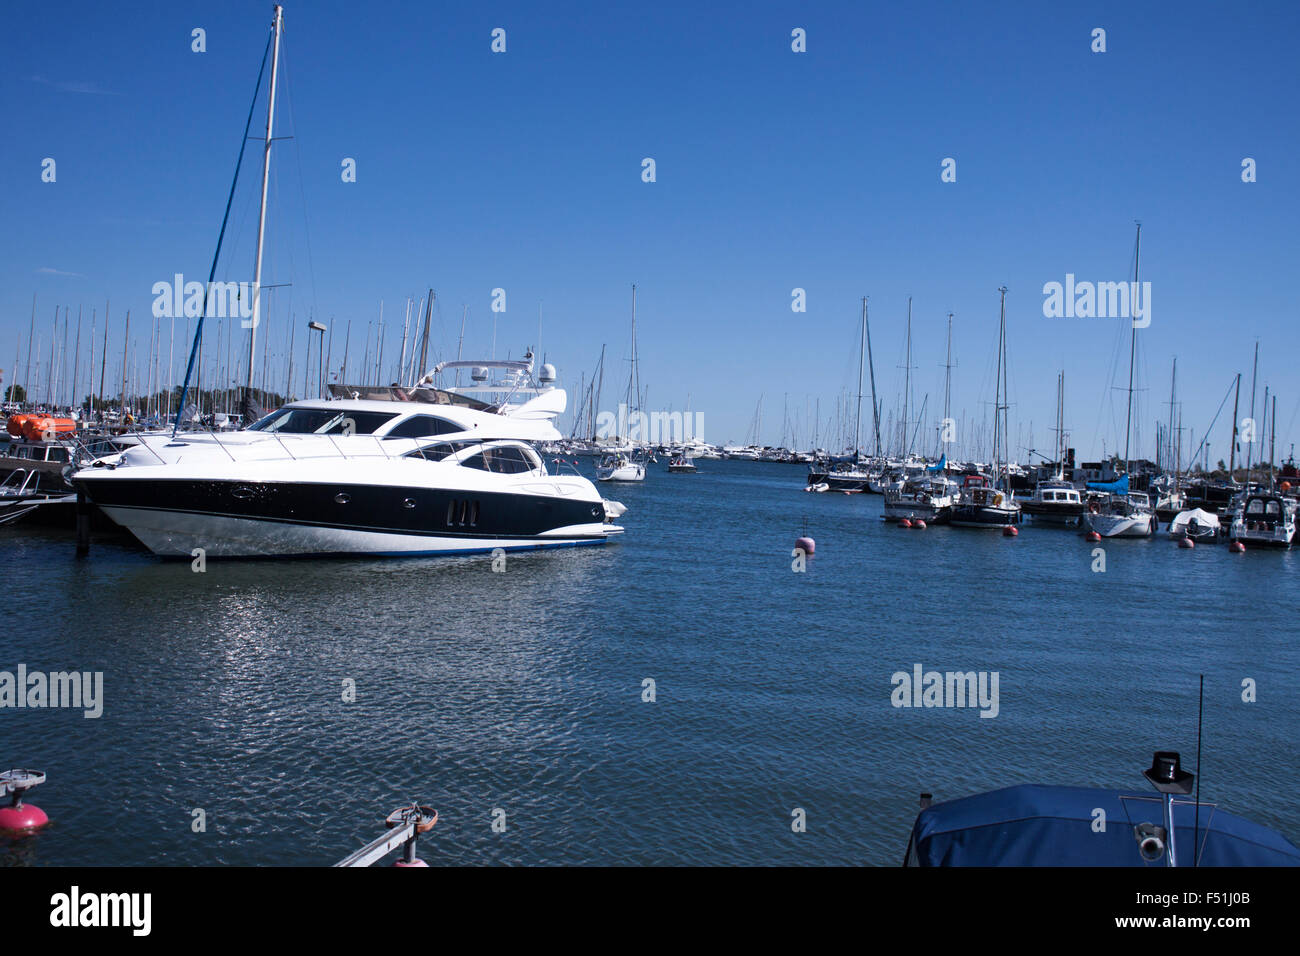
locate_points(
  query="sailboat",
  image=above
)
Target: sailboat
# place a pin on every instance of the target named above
(626, 464)
(1055, 500)
(852, 476)
(983, 504)
(1119, 511)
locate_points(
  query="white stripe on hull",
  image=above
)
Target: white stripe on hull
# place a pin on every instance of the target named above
(178, 534)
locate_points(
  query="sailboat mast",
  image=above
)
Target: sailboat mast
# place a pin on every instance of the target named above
(907, 381)
(1250, 446)
(634, 381)
(1132, 351)
(261, 215)
(997, 388)
(862, 349)
(871, 366)
(947, 388)
(1232, 451)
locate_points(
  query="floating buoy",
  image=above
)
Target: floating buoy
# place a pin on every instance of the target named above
(1010, 531)
(905, 523)
(1092, 536)
(1236, 547)
(919, 523)
(20, 817)
(1286, 486)
(806, 545)
(1186, 543)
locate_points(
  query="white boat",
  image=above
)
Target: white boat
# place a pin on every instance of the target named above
(392, 471)
(1197, 524)
(620, 467)
(1265, 519)
(1121, 516)
(930, 499)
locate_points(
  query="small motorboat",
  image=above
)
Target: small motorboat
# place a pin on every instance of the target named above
(1195, 524)
(681, 465)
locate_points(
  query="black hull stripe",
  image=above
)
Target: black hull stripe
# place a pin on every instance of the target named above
(377, 509)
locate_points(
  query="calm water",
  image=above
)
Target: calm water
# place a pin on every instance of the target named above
(522, 690)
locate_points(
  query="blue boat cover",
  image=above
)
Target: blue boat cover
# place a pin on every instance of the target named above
(1119, 486)
(1037, 825)
(943, 463)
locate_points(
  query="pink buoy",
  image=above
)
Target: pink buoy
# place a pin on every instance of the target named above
(26, 816)
(1092, 536)
(1236, 547)
(905, 523)
(806, 545)
(416, 862)
(1186, 543)
(20, 817)
(919, 523)
(1010, 531)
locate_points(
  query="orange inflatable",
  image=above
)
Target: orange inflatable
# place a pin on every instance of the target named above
(46, 427)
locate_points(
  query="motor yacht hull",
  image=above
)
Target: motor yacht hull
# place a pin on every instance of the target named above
(240, 518)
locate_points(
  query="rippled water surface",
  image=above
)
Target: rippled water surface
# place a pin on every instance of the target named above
(522, 691)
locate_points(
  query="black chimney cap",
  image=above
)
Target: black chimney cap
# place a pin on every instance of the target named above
(1166, 773)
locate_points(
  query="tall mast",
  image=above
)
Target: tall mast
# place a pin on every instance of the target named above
(1232, 451)
(998, 437)
(871, 366)
(907, 380)
(947, 388)
(862, 351)
(634, 380)
(27, 375)
(278, 26)
(600, 387)
(1250, 446)
(1132, 352)
(424, 341)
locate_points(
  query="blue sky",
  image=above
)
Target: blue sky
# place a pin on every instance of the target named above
(775, 170)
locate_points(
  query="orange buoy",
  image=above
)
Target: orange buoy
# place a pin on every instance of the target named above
(905, 523)
(1236, 547)
(1286, 486)
(1010, 531)
(1092, 536)
(919, 523)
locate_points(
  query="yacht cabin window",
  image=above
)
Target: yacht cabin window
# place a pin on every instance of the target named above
(322, 421)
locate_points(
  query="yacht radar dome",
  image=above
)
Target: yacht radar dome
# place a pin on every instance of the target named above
(547, 374)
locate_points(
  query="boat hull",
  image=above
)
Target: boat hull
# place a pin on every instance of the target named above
(1121, 526)
(175, 517)
(983, 516)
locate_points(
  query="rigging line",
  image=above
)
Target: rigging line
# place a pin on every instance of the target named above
(216, 256)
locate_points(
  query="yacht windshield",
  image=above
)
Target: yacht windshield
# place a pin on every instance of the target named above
(321, 421)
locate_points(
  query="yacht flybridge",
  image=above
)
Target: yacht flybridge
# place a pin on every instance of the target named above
(370, 471)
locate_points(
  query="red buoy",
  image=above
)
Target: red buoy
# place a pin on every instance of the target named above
(905, 523)
(919, 523)
(1010, 531)
(20, 817)
(1092, 536)
(1186, 543)
(806, 545)
(1236, 547)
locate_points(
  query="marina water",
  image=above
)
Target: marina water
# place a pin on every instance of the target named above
(518, 696)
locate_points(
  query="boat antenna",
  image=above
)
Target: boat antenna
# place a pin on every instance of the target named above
(1196, 827)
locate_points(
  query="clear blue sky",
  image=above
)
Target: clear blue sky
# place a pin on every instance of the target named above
(775, 170)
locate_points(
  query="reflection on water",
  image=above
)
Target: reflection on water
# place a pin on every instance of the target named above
(522, 691)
